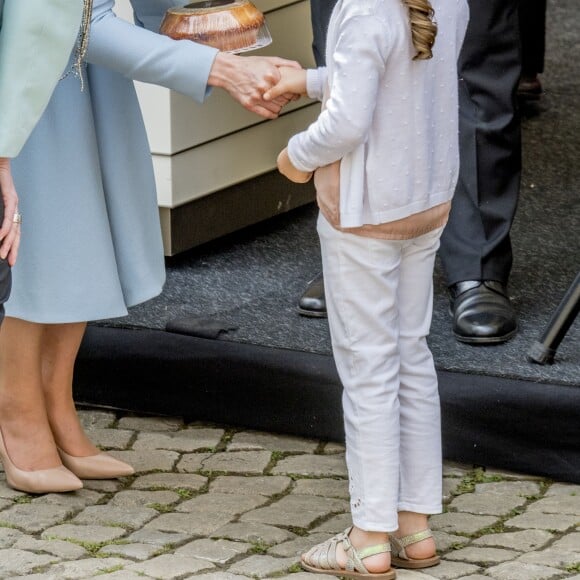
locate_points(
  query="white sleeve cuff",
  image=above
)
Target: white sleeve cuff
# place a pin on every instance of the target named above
(315, 81)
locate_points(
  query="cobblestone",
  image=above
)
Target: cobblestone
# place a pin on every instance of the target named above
(170, 566)
(312, 466)
(266, 441)
(207, 508)
(521, 571)
(33, 518)
(183, 441)
(266, 485)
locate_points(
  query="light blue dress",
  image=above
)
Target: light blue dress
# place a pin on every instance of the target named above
(91, 241)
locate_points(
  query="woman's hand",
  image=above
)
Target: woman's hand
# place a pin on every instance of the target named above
(286, 168)
(247, 78)
(292, 82)
(10, 229)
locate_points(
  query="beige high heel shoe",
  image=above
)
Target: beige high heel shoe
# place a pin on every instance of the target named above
(54, 480)
(99, 466)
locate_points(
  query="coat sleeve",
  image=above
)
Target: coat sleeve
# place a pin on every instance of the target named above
(145, 55)
(36, 39)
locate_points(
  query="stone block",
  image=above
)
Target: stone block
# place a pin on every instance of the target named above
(267, 485)
(461, 523)
(215, 551)
(111, 438)
(335, 524)
(185, 441)
(96, 419)
(336, 488)
(294, 548)
(107, 515)
(175, 481)
(133, 499)
(253, 440)
(452, 570)
(557, 504)
(87, 568)
(522, 571)
(262, 566)
(521, 541)
(148, 460)
(537, 520)
(186, 524)
(150, 423)
(312, 466)
(158, 538)
(73, 501)
(170, 566)
(228, 503)
(250, 462)
(14, 562)
(8, 537)
(59, 548)
(482, 556)
(519, 488)
(85, 534)
(254, 533)
(34, 517)
(131, 551)
(192, 462)
(296, 510)
(487, 503)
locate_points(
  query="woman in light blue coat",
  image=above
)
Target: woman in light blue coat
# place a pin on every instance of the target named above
(32, 58)
(92, 243)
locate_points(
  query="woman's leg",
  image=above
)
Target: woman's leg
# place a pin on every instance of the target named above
(23, 419)
(361, 277)
(59, 347)
(420, 428)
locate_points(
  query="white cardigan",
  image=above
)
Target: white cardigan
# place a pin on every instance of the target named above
(392, 120)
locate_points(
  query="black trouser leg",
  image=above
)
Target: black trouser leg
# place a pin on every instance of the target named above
(476, 242)
(533, 36)
(321, 11)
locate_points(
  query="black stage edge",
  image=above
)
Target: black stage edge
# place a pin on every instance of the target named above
(522, 426)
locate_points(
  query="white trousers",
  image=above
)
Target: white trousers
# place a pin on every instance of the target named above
(379, 296)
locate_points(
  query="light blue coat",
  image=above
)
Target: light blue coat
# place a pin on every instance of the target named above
(36, 37)
(91, 242)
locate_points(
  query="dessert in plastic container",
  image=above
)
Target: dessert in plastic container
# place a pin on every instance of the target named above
(228, 25)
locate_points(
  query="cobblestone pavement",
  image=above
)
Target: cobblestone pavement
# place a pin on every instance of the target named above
(215, 503)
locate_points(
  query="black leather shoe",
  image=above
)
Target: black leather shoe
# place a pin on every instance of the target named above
(482, 312)
(312, 303)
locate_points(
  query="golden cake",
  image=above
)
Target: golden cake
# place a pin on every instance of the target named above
(228, 25)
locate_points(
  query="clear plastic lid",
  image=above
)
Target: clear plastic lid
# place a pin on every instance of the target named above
(229, 25)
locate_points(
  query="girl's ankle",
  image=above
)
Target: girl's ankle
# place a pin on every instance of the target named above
(411, 523)
(361, 539)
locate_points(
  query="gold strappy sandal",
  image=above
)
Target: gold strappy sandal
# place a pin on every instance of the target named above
(400, 558)
(321, 559)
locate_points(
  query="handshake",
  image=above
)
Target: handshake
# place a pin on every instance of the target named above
(263, 85)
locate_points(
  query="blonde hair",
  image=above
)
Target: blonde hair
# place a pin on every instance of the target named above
(423, 27)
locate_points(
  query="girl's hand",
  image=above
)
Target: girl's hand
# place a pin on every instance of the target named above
(286, 168)
(247, 78)
(10, 229)
(292, 81)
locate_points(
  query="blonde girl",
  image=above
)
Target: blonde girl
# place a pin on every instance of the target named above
(384, 153)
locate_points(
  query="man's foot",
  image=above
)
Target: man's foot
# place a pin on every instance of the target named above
(482, 312)
(530, 88)
(313, 303)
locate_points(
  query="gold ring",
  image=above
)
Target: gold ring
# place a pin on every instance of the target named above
(17, 219)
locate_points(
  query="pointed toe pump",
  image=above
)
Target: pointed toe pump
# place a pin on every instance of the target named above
(99, 466)
(54, 480)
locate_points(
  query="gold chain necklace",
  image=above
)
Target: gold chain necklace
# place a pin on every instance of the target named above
(82, 44)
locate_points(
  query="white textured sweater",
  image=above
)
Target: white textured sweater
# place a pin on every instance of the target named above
(391, 119)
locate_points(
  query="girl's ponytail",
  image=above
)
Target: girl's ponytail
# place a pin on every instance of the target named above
(423, 27)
